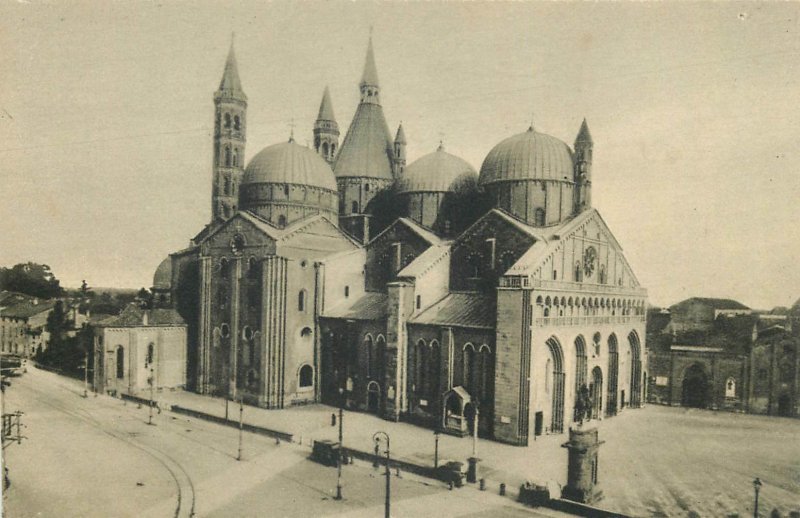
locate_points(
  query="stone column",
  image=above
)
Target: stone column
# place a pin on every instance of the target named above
(582, 466)
(400, 306)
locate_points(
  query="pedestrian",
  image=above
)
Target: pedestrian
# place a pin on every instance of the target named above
(333, 419)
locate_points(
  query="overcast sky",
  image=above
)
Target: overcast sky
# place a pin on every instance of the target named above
(106, 116)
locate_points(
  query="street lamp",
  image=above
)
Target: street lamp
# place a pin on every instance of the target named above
(436, 449)
(341, 445)
(757, 486)
(377, 438)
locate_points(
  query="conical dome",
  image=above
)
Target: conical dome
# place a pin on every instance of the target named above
(528, 156)
(437, 172)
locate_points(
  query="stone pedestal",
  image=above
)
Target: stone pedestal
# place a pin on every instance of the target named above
(582, 467)
(472, 469)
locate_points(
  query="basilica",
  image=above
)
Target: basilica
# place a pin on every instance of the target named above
(426, 291)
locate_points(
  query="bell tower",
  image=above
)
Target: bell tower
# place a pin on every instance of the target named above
(326, 130)
(230, 124)
(399, 157)
(583, 169)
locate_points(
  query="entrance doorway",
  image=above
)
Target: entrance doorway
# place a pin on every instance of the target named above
(373, 397)
(785, 405)
(695, 387)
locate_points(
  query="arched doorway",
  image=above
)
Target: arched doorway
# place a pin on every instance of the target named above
(596, 392)
(373, 397)
(613, 375)
(555, 384)
(636, 370)
(785, 405)
(695, 387)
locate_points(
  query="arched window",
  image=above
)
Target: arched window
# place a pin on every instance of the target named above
(150, 354)
(306, 376)
(325, 149)
(227, 156)
(578, 272)
(286, 190)
(469, 374)
(235, 157)
(333, 151)
(301, 301)
(120, 362)
(306, 332)
(224, 331)
(227, 120)
(419, 301)
(347, 291)
(354, 208)
(281, 220)
(226, 189)
(602, 274)
(236, 123)
(421, 364)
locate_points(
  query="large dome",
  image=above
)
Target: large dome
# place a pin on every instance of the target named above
(437, 172)
(162, 279)
(289, 163)
(528, 156)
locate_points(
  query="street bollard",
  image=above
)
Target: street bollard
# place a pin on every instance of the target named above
(502, 489)
(483, 484)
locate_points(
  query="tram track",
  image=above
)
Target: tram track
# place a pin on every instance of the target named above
(186, 499)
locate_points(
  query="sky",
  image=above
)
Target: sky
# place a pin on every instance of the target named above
(106, 114)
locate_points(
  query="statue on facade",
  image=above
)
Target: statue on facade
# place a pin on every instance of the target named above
(583, 405)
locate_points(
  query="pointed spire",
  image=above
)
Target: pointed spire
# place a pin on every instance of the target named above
(326, 107)
(230, 76)
(583, 135)
(370, 77)
(400, 137)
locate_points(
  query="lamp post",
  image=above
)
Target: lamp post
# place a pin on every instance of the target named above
(436, 449)
(151, 381)
(341, 445)
(241, 414)
(757, 486)
(377, 438)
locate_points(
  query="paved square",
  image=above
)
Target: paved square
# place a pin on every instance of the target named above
(662, 461)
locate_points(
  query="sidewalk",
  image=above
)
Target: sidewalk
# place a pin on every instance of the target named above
(544, 461)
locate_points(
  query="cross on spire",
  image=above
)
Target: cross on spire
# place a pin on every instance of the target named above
(291, 130)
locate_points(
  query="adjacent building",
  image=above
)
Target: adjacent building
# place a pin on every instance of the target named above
(137, 348)
(23, 322)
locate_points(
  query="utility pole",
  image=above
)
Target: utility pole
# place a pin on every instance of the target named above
(757, 486)
(241, 413)
(388, 503)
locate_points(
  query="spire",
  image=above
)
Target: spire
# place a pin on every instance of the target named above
(400, 138)
(326, 107)
(583, 135)
(370, 77)
(230, 77)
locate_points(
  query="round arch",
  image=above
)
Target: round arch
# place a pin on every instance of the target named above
(613, 375)
(557, 375)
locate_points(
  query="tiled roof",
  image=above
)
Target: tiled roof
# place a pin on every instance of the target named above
(134, 316)
(371, 306)
(27, 308)
(461, 310)
(230, 83)
(425, 260)
(370, 76)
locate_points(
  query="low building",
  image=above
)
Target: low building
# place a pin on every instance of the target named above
(137, 346)
(737, 361)
(22, 324)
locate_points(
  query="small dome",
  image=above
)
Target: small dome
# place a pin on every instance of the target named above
(437, 172)
(162, 279)
(528, 156)
(289, 163)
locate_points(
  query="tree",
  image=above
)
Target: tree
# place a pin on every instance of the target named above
(144, 298)
(31, 279)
